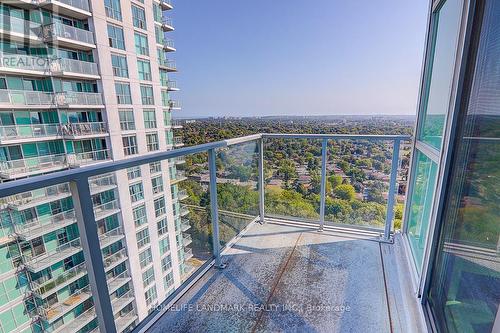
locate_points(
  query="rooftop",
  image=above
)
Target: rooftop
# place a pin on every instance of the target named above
(286, 275)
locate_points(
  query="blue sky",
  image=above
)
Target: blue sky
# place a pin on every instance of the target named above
(316, 57)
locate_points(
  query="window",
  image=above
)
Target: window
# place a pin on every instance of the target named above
(144, 68)
(162, 226)
(157, 184)
(159, 206)
(150, 295)
(134, 172)
(148, 277)
(145, 257)
(149, 118)
(123, 95)
(147, 95)
(139, 215)
(154, 167)
(129, 145)
(167, 119)
(141, 44)
(142, 238)
(152, 142)
(164, 245)
(166, 264)
(113, 9)
(139, 17)
(115, 37)
(119, 64)
(136, 192)
(127, 122)
(165, 98)
(168, 280)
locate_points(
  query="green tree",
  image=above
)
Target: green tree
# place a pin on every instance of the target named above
(344, 192)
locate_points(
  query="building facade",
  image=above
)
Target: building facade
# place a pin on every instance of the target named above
(84, 82)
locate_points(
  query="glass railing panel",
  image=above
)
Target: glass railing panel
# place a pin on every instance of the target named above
(60, 30)
(237, 189)
(20, 26)
(358, 179)
(292, 172)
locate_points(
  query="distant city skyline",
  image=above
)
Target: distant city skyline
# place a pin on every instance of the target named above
(260, 58)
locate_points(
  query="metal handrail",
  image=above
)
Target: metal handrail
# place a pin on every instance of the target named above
(13, 132)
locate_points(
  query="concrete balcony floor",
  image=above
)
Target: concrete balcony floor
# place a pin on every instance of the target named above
(287, 276)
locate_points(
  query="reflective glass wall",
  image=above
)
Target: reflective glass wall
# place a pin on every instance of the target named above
(464, 293)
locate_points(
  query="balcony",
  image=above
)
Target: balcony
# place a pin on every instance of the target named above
(72, 8)
(90, 157)
(185, 225)
(166, 4)
(317, 274)
(178, 142)
(168, 65)
(75, 68)
(45, 260)
(120, 302)
(34, 198)
(102, 183)
(55, 311)
(111, 237)
(167, 24)
(19, 30)
(182, 195)
(107, 209)
(114, 259)
(78, 100)
(171, 85)
(174, 105)
(68, 36)
(12, 134)
(46, 286)
(168, 44)
(77, 323)
(176, 124)
(177, 177)
(20, 99)
(33, 165)
(41, 226)
(83, 130)
(124, 321)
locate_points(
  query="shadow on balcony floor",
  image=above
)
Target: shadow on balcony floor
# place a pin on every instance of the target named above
(286, 277)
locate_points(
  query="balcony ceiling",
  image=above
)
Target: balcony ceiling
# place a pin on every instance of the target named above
(296, 273)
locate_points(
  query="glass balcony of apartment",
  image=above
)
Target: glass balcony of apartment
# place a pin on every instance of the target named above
(186, 239)
(68, 36)
(43, 225)
(102, 183)
(170, 85)
(120, 301)
(31, 199)
(82, 130)
(10, 134)
(176, 124)
(49, 284)
(182, 195)
(15, 99)
(111, 237)
(174, 105)
(89, 157)
(185, 225)
(168, 65)
(113, 259)
(32, 165)
(52, 312)
(47, 259)
(77, 323)
(73, 8)
(178, 142)
(166, 4)
(183, 211)
(106, 209)
(188, 254)
(74, 68)
(177, 177)
(20, 63)
(167, 43)
(167, 24)
(116, 282)
(18, 29)
(73, 99)
(123, 321)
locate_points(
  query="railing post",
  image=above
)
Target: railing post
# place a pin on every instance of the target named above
(392, 190)
(324, 157)
(261, 182)
(214, 208)
(87, 225)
